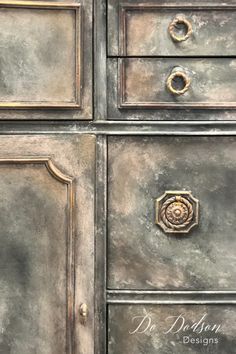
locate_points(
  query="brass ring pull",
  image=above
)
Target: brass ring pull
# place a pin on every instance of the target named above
(184, 77)
(177, 21)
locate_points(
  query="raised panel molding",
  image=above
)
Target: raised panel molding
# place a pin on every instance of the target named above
(47, 43)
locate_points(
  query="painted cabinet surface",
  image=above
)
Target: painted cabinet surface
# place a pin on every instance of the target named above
(47, 187)
(117, 177)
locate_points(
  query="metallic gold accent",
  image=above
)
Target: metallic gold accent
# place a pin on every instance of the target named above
(177, 211)
(174, 75)
(78, 40)
(173, 25)
(83, 311)
(61, 177)
(40, 4)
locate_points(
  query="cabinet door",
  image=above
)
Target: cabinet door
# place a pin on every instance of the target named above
(46, 236)
(171, 212)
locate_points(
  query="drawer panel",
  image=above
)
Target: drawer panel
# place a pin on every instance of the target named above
(41, 64)
(151, 29)
(41, 71)
(151, 83)
(171, 329)
(143, 251)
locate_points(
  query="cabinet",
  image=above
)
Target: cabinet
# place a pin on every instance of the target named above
(117, 177)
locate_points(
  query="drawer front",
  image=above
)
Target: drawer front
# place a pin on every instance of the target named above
(46, 185)
(128, 107)
(41, 60)
(151, 247)
(171, 329)
(176, 83)
(151, 29)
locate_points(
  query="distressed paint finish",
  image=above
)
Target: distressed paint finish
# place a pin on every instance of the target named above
(147, 31)
(122, 322)
(144, 31)
(38, 56)
(36, 268)
(140, 254)
(33, 260)
(145, 79)
(46, 60)
(143, 83)
(141, 35)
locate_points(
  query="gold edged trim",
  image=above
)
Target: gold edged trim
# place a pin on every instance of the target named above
(122, 33)
(122, 103)
(78, 41)
(70, 263)
(40, 4)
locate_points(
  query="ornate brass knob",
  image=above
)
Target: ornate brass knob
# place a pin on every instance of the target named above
(180, 20)
(177, 212)
(83, 311)
(178, 75)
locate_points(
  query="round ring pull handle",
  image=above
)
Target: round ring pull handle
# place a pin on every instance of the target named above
(175, 75)
(179, 20)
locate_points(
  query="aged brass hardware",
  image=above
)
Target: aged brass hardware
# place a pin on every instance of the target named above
(180, 20)
(176, 75)
(83, 311)
(177, 211)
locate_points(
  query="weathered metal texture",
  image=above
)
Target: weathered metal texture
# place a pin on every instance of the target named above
(177, 211)
(144, 29)
(140, 254)
(42, 62)
(167, 329)
(47, 188)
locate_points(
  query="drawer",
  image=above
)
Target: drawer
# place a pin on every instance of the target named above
(169, 29)
(42, 64)
(150, 179)
(151, 83)
(175, 329)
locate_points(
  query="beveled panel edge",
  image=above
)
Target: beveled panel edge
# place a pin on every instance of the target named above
(123, 8)
(41, 4)
(170, 297)
(100, 60)
(101, 243)
(171, 302)
(124, 128)
(70, 263)
(122, 104)
(54, 171)
(168, 292)
(78, 42)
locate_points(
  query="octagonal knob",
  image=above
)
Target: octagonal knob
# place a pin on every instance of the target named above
(177, 212)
